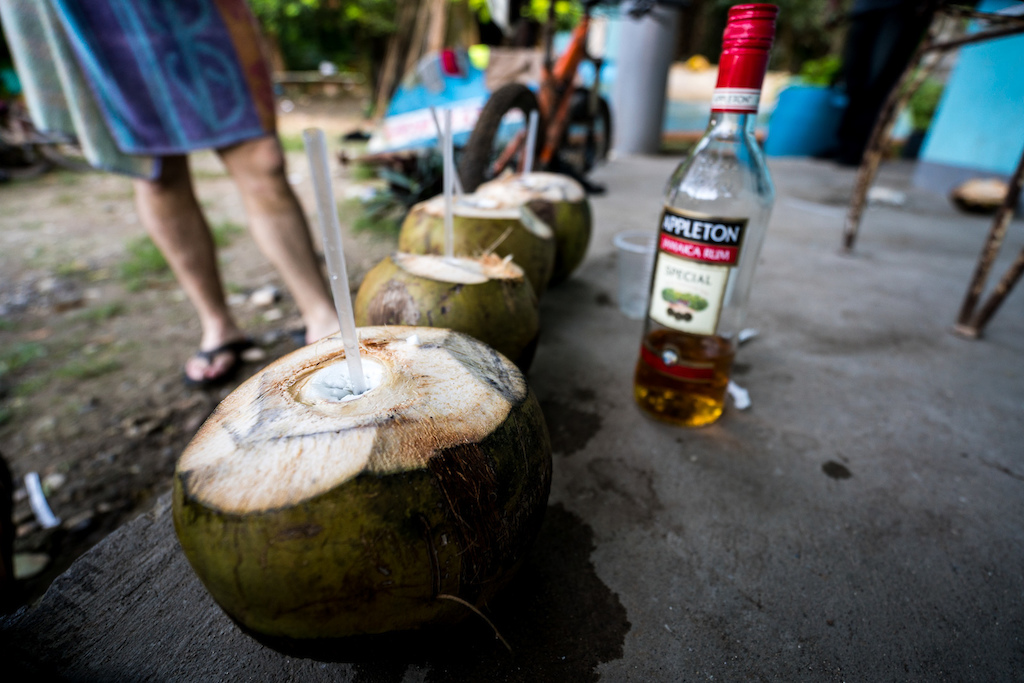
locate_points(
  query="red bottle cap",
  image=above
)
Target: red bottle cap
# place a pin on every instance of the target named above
(748, 37)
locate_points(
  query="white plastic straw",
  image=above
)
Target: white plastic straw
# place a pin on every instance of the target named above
(334, 253)
(531, 142)
(441, 137)
(37, 501)
(449, 173)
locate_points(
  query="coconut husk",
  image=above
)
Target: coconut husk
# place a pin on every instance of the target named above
(559, 201)
(307, 517)
(980, 195)
(487, 298)
(482, 225)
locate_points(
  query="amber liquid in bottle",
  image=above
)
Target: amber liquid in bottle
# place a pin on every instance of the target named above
(690, 404)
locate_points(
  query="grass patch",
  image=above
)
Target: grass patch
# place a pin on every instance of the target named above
(88, 369)
(67, 178)
(72, 268)
(207, 174)
(7, 325)
(31, 225)
(6, 414)
(101, 313)
(115, 196)
(380, 215)
(65, 199)
(19, 356)
(142, 262)
(362, 171)
(36, 257)
(31, 385)
(225, 233)
(292, 143)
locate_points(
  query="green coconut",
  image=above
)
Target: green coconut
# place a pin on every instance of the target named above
(480, 226)
(487, 298)
(559, 201)
(311, 513)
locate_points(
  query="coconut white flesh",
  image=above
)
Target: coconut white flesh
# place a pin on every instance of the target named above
(277, 440)
(458, 270)
(518, 189)
(333, 383)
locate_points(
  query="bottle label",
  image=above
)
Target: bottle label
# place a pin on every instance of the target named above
(695, 256)
(736, 100)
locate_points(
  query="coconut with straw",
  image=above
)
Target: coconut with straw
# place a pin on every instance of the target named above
(474, 227)
(487, 297)
(482, 226)
(382, 481)
(557, 200)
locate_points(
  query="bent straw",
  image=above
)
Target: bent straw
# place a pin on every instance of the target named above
(334, 253)
(449, 173)
(531, 142)
(440, 139)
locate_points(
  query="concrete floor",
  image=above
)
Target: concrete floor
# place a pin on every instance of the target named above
(862, 521)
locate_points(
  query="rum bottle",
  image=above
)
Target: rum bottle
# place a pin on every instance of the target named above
(716, 210)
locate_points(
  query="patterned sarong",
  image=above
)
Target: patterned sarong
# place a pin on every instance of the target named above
(131, 80)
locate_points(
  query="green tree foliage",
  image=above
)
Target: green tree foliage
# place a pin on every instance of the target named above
(567, 12)
(924, 102)
(349, 33)
(805, 29)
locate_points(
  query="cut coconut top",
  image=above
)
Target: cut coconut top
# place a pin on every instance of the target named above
(519, 189)
(280, 438)
(473, 206)
(459, 269)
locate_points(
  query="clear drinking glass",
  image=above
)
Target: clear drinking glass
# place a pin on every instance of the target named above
(634, 253)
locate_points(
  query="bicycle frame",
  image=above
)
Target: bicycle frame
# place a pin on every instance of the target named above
(557, 85)
(556, 90)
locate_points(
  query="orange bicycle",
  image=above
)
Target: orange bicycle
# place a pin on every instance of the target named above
(574, 126)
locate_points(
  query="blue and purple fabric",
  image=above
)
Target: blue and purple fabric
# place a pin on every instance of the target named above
(141, 80)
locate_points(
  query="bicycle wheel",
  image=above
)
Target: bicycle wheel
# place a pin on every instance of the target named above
(588, 137)
(498, 140)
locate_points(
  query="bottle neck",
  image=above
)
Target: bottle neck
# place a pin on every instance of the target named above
(730, 124)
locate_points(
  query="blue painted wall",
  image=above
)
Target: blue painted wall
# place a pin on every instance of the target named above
(980, 120)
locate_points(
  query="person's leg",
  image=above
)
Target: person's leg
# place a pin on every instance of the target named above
(171, 215)
(858, 62)
(279, 228)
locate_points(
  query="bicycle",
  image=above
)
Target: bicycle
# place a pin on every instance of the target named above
(574, 125)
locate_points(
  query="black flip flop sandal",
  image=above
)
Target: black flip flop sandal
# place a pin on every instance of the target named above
(235, 348)
(298, 336)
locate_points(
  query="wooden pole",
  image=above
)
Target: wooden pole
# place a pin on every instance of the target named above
(390, 73)
(419, 36)
(438, 25)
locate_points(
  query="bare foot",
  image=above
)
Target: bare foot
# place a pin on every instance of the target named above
(317, 330)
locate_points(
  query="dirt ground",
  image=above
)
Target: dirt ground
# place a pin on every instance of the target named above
(92, 339)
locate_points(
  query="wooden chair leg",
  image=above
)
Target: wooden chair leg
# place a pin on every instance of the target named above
(998, 295)
(968, 324)
(898, 97)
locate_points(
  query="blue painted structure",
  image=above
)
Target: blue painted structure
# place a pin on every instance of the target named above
(978, 127)
(805, 121)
